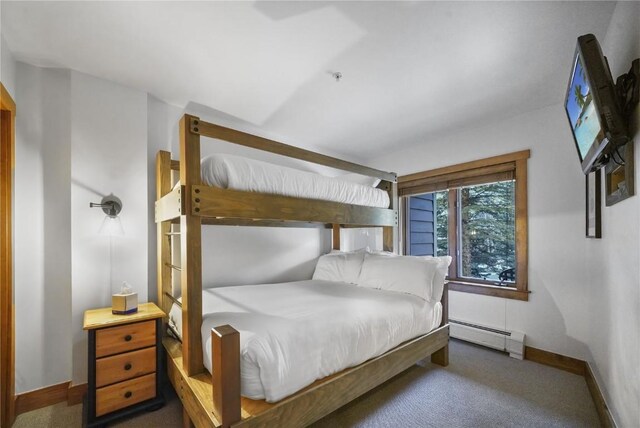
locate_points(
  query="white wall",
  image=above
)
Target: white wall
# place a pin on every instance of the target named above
(555, 317)
(7, 68)
(613, 262)
(42, 228)
(108, 156)
(77, 138)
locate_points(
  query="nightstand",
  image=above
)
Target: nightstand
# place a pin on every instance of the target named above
(125, 365)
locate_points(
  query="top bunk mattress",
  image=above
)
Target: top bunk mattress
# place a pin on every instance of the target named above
(249, 175)
(294, 333)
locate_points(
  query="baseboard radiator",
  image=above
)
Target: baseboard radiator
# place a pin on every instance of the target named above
(502, 340)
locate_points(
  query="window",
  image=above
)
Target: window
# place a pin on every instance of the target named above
(477, 213)
(486, 235)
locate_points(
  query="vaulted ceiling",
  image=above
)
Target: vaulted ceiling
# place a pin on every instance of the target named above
(411, 70)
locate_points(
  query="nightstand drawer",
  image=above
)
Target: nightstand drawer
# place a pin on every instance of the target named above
(125, 366)
(128, 337)
(125, 394)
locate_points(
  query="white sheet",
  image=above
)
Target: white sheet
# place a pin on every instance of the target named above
(239, 173)
(294, 333)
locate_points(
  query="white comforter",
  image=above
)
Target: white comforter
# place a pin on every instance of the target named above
(239, 173)
(294, 333)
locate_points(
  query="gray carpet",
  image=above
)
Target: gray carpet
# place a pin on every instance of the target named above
(480, 388)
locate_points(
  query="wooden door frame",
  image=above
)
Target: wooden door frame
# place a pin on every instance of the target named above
(7, 320)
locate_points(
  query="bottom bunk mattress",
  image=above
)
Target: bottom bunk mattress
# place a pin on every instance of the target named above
(294, 333)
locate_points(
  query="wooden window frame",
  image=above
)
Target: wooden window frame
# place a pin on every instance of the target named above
(496, 168)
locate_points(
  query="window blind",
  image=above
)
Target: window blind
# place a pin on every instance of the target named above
(452, 180)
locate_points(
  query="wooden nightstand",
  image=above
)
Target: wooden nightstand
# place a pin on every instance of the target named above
(125, 365)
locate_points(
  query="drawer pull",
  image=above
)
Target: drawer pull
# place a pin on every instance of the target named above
(128, 394)
(128, 338)
(127, 366)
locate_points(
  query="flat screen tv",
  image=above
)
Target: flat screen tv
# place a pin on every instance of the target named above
(592, 108)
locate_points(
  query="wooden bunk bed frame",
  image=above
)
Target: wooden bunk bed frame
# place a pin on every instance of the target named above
(214, 400)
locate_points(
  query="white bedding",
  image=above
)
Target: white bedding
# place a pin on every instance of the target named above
(239, 173)
(294, 333)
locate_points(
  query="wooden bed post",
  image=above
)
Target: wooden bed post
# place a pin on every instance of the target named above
(186, 419)
(190, 244)
(390, 233)
(225, 362)
(163, 186)
(335, 241)
(441, 356)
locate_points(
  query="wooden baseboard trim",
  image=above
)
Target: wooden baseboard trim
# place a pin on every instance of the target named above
(606, 420)
(49, 396)
(578, 367)
(569, 364)
(43, 397)
(76, 393)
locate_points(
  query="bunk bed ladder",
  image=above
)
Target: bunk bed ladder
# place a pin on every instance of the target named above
(163, 186)
(190, 265)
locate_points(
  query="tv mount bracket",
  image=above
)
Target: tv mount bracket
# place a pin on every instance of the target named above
(628, 89)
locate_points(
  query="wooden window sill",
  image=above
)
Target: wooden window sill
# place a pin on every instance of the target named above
(489, 290)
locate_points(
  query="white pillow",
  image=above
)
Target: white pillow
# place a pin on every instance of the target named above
(441, 273)
(404, 274)
(339, 266)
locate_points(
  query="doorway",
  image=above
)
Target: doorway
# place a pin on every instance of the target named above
(7, 340)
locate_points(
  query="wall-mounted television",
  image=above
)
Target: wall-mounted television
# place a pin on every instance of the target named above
(592, 108)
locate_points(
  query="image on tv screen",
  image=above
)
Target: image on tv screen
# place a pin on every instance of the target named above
(581, 110)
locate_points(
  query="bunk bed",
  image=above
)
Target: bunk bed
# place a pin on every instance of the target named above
(214, 400)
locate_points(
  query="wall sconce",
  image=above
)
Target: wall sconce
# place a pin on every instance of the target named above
(111, 225)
